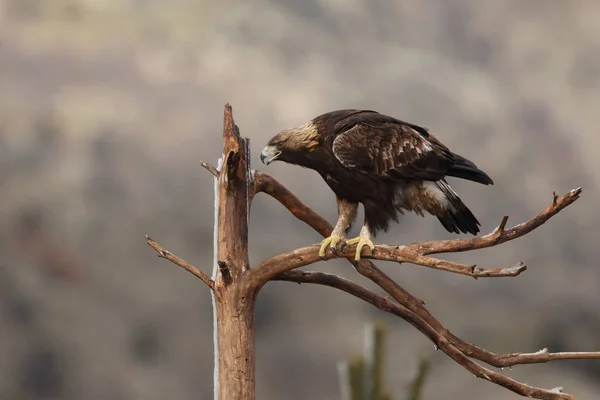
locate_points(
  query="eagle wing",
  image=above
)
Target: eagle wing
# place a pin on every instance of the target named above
(384, 146)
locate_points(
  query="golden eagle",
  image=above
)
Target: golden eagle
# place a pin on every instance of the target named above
(386, 164)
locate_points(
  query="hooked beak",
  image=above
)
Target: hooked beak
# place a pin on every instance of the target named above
(269, 154)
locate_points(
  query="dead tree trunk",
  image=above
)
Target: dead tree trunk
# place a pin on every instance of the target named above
(234, 294)
(234, 346)
(235, 285)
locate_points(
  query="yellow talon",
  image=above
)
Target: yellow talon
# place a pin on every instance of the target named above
(331, 242)
(362, 241)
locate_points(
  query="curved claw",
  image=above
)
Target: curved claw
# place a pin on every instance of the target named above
(361, 242)
(331, 242)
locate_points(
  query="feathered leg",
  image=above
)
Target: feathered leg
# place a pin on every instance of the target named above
(346, 215)
(363, 239)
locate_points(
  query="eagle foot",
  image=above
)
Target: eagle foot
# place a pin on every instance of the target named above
(331, 242)
(361, 242)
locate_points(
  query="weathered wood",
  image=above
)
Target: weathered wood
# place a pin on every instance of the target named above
(234, 181)
(235, 341)
(234, 295)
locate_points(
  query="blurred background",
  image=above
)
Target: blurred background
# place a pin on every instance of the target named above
(107, 106)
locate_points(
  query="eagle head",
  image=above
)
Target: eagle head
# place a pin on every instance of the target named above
(291, 145)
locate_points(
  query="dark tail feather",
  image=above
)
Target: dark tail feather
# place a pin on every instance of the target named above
(466, 169)
(457, 217)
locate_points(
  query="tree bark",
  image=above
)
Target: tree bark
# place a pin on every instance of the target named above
(234, 306)
(234, 293)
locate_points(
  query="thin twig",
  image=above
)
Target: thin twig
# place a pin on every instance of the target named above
(180, 262)
(210, 168)
(499, 235)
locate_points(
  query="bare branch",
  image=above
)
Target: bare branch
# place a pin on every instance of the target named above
(267, 184)
(434, 335)
(385, 304)
(499, 235)
(465, 349)
(180, 262)
(301, 257)
(543, 356)
(503, 224)
(408, 255)
(408, 306)
(451, 346)
(413, 253)
(400, 254)
(210, 168)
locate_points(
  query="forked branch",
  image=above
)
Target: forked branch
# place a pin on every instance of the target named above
(237, 187)
(415, 253)
(385, 304)
(500, 234)
(456, 350)
(407, 306)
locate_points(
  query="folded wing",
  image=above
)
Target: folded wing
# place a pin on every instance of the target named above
(376, 144)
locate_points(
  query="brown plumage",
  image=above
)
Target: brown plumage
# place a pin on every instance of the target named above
(386, 164)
